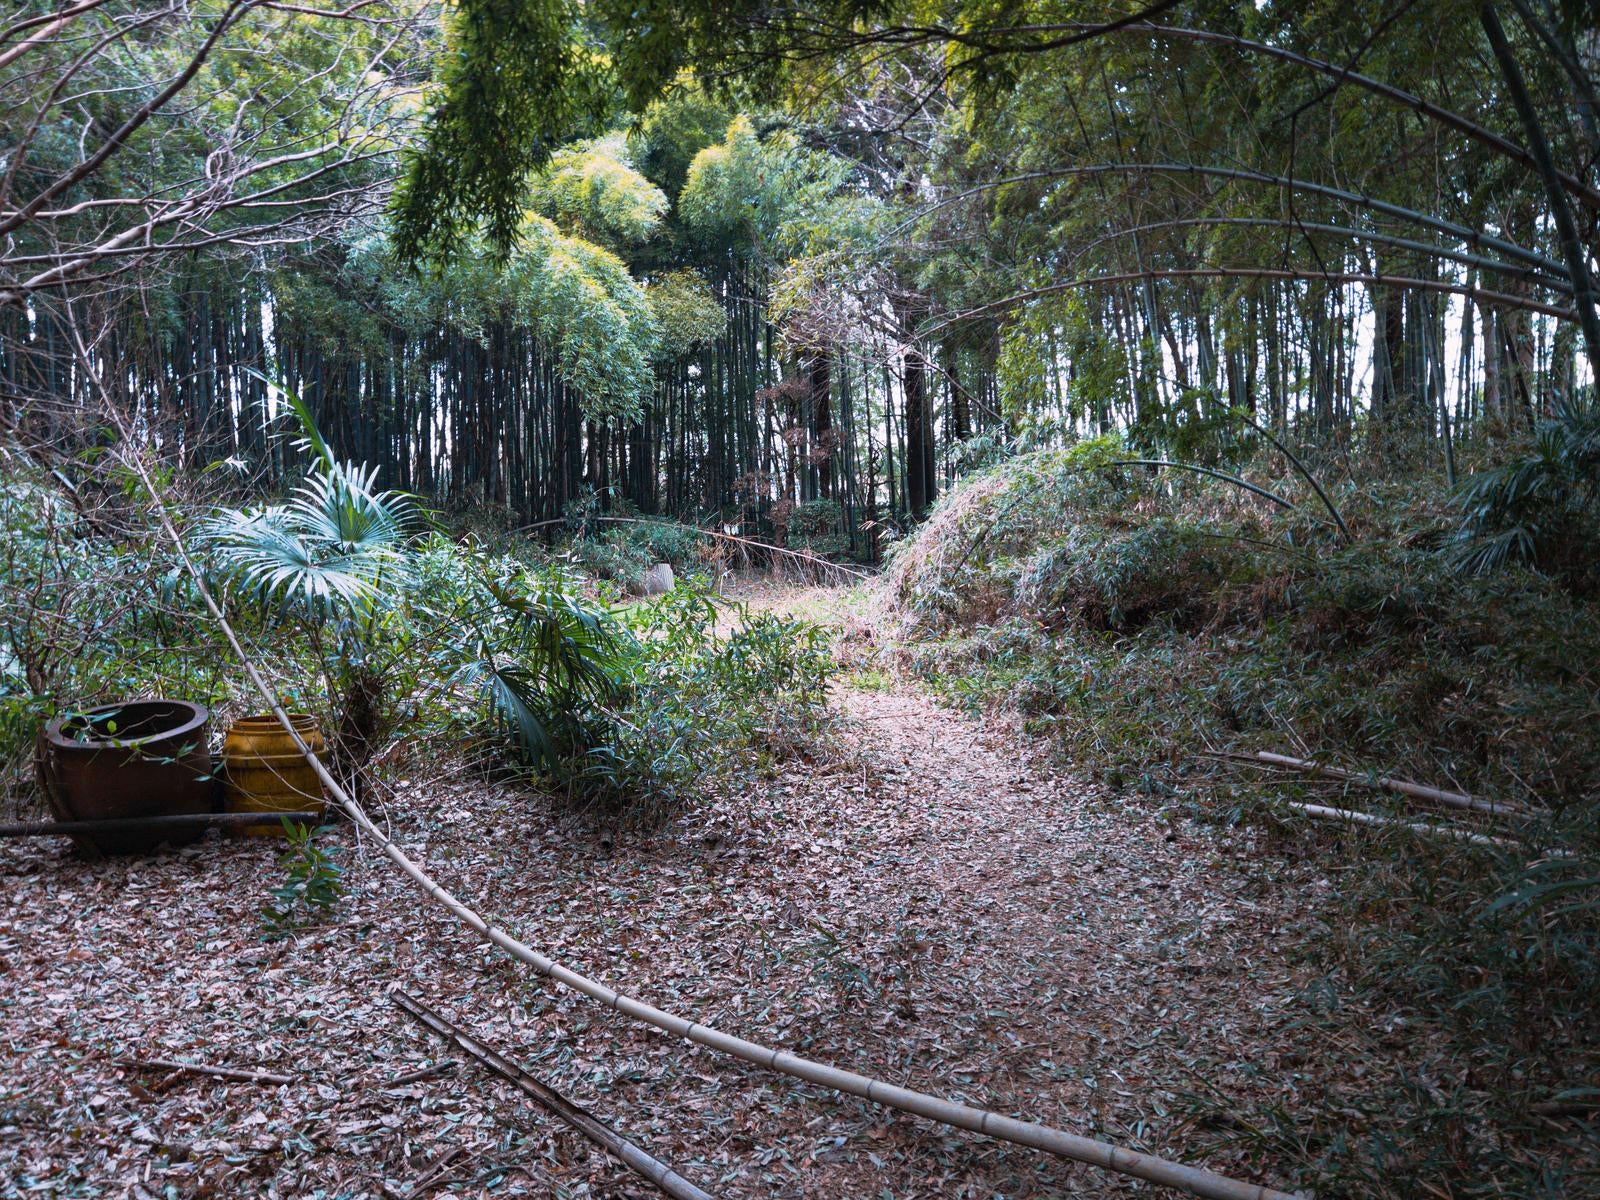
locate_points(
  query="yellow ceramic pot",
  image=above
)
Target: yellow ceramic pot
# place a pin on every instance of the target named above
(266, 773)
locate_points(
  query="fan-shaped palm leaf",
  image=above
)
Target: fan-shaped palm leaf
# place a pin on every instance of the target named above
(334, 544)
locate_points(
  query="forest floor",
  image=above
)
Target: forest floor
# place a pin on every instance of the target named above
(921, 897)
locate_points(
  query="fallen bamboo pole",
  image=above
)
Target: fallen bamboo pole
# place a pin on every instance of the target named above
(597, 1131)
(1059, 1142)
(1385, 783)
(23, 829)
(1354, 816)
(238, 1073)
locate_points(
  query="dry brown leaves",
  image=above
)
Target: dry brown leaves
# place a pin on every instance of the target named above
(922, 901)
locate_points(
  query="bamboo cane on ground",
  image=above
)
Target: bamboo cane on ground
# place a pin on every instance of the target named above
(1359, 818)
(181, 823)
(239, 1074)
(636, 1160)
(1384, 783)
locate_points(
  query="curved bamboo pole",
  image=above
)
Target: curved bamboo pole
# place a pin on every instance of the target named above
(1211, 471)
(1472, 237)
(1193, 1180)
(1334, 277)
(1447, 117)
(1364, 235)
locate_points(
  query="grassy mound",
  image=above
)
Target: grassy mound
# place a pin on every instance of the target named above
(1144, 619)
(1150, 621)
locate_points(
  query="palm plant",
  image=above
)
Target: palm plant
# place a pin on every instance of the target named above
(337, 554)
(334, 548)
(539, 654)
(331, 556)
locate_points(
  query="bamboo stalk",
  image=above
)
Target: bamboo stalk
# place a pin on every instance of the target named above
(637, 1160)
(962, 1116)
(1356, 817)
(239, 1073)
(23, 829)
(1403, 787)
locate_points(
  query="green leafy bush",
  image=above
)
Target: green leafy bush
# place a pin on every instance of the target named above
(628, 712)
(698, 706)
(620, 545)
(538, 652)
(817, 527)
(1541, 509)
(1120, 579)
(86, 616)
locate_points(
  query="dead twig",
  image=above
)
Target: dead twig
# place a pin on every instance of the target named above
(421, 1073)
(239, 1073)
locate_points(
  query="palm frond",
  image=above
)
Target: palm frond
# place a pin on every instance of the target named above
(516, 700)
(308, 425)
(336, 543)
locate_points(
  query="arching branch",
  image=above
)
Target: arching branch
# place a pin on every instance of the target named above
(1447, 117)
(1555, 283)
(1045, 38)
(1473, 237)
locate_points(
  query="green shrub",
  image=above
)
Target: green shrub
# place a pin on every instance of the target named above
(817, 527)
(313, 881)
(621, 545)
(1541, 509)
(86, 617)
(698, 706)
(1120, 579)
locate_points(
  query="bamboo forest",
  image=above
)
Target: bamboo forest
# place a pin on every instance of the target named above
(865, 599)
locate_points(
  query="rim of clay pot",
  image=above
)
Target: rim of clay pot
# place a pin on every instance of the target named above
(296, 719)
(195, 717)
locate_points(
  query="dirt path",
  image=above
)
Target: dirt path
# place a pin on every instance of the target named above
(921, 899)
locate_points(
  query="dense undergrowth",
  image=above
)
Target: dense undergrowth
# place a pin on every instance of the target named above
(621, 544)
(1151, 623)
(411, 645)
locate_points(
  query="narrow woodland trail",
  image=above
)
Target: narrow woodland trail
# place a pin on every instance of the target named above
(920, 897)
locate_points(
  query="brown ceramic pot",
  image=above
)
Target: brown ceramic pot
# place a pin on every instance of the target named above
(138, 758)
